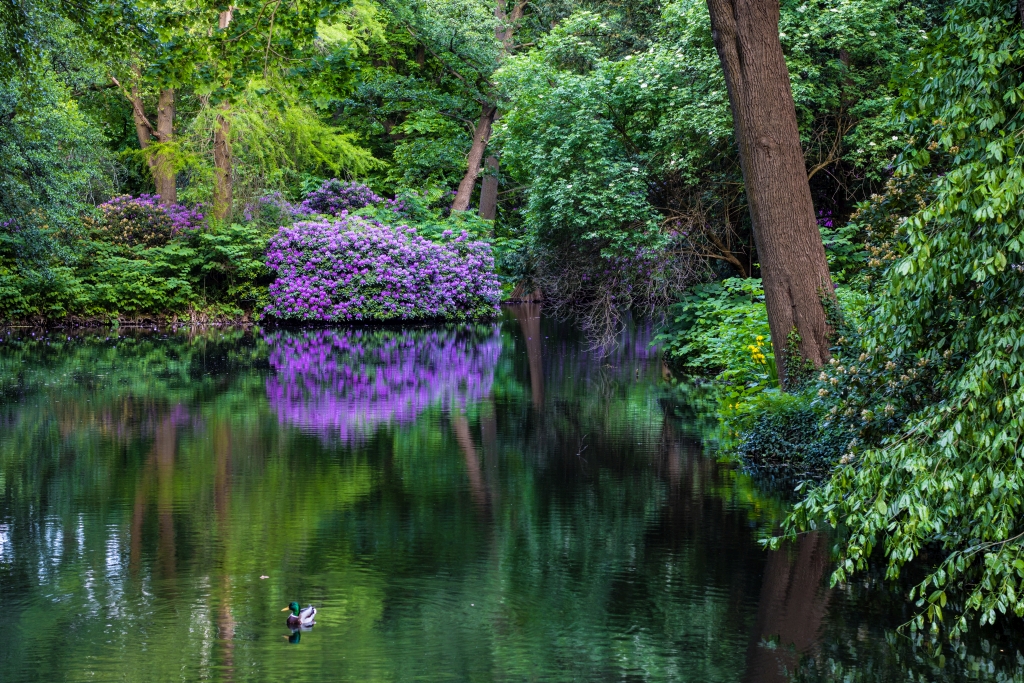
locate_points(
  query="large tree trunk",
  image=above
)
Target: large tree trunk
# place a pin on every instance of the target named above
(476, 155)
(163, 163)
(223, 187)
(793, 266)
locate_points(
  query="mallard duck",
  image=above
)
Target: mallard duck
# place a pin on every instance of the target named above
(300, 618)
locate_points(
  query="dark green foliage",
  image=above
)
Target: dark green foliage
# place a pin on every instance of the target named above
(784, 434)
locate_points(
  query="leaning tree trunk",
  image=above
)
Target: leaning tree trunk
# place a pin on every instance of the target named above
(503, 33)
(163, 162)
(476, 155)
(793, 266)
(223, 187)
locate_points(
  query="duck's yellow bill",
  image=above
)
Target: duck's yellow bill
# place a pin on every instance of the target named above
(286, 609)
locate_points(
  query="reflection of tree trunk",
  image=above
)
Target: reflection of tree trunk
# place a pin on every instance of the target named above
(476, 481)
(222, 480)
(528, 316)
(489, 441)
(672, 455)
(221, 508)
(164, 448)
(792, 605)
(138, 516)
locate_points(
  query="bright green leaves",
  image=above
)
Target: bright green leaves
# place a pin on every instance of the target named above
(944, 351)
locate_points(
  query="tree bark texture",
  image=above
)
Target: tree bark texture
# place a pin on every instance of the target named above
(793, 266)
(476, 155)
(489, 190)
(161, 165)
(163, 162)
(222, 187)
(143, 128)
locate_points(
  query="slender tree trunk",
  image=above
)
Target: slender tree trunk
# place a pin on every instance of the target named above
(489, 190)
(143, 128)
(223, 187)
(793, 266)
(163, 163)
(503, 33)
(160, 165)
(476, 155)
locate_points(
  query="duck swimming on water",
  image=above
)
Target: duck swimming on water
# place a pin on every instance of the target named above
(300, 618)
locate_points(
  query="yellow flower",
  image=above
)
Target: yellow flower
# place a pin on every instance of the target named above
(759, 337)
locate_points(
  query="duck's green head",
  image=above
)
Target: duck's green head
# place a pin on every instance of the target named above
(293, 607)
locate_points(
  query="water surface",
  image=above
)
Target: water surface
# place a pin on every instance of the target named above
(461, 503)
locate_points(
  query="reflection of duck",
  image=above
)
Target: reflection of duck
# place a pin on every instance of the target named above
(300, 618)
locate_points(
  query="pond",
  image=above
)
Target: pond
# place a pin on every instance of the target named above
(461, 503)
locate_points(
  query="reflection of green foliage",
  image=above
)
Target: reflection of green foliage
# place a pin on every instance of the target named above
(158, 465)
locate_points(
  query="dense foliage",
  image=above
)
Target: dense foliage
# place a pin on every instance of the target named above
(617, 187)
(933, 388)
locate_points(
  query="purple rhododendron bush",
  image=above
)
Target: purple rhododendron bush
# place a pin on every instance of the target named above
(351, 268)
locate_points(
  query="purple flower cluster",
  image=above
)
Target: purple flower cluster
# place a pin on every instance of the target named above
(348, 383)
(355, 269)
(335, 196)
(144, 220)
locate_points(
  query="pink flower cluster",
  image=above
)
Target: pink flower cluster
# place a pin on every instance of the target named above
(355, 269)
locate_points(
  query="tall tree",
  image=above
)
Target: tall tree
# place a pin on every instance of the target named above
(793, 265)
(161, 164)
(251, 40)
(503, 33)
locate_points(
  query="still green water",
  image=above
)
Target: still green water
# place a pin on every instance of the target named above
(461, 503)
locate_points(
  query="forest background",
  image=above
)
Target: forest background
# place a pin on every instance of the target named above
(584, 150)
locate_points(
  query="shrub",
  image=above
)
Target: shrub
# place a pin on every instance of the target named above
(143, 220)
(355, 269)
(274, 209)
(785, 433)
(335, 196)
(712, 328)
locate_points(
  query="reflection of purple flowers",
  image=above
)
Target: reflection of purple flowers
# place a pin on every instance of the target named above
(348, 383)
(335, 196)
(355, 269)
